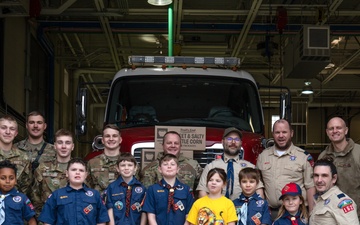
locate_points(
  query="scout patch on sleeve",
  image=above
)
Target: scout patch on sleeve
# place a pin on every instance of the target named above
(28, 203)
(346, 205)
(310, 159)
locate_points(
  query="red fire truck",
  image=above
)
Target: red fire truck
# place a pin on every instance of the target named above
(199, 92)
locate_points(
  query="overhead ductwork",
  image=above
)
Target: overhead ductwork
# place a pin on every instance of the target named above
(308, 53)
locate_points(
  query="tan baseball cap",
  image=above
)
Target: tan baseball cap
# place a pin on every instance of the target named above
(230, 130)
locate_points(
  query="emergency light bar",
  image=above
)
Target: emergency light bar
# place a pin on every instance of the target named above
(184, 60)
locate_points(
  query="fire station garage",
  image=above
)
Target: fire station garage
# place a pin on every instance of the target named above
(300, 58)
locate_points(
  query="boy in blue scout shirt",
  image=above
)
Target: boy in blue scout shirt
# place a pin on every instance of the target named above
(125, 196)
(169, 201)
(14, 206)
(75, 204)
(250, 207)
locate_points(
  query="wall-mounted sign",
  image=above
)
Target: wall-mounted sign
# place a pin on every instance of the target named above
(192, 138)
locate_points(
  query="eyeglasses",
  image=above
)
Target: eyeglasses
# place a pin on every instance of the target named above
(230, 139)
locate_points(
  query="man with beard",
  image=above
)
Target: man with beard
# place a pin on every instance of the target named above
(231, 162)
(332, 206)
(34, 145)
(189, 172)
(346, 157)
(102, 168)
(285, 163)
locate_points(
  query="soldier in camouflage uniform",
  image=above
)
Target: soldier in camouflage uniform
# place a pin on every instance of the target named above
(102, 168)
(8, 132)
(51, 175)
(34, 145)
(190, 170)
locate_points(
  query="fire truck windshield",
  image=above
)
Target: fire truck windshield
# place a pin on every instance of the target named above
(190, 100)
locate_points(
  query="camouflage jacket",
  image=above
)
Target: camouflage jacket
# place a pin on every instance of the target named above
(102, 171)
(22, 162)
(189, 173)
(32, 150)
(48, 177)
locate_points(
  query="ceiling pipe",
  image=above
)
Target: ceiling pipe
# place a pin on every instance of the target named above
(57, 11)
(263, 11)
(170, 28)
(327, 105)
(204, 28)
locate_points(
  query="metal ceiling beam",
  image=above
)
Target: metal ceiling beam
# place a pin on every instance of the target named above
(341, 67)
(57, 11)
(246, 27)
(108, 34)
(178, 20)
(331, 10)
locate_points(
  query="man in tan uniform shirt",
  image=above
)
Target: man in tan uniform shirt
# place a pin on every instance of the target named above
(332, 206)
(284, 163)
(232, 145)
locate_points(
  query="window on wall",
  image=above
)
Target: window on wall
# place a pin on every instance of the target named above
(39, 73)
(299, 115)
(274, 118)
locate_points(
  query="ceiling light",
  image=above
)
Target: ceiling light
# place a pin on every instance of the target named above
(159, 2)
(307, 89)
(330, 66)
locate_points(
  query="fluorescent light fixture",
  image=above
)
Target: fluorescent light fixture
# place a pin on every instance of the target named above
(307, 89)
(159, 2)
